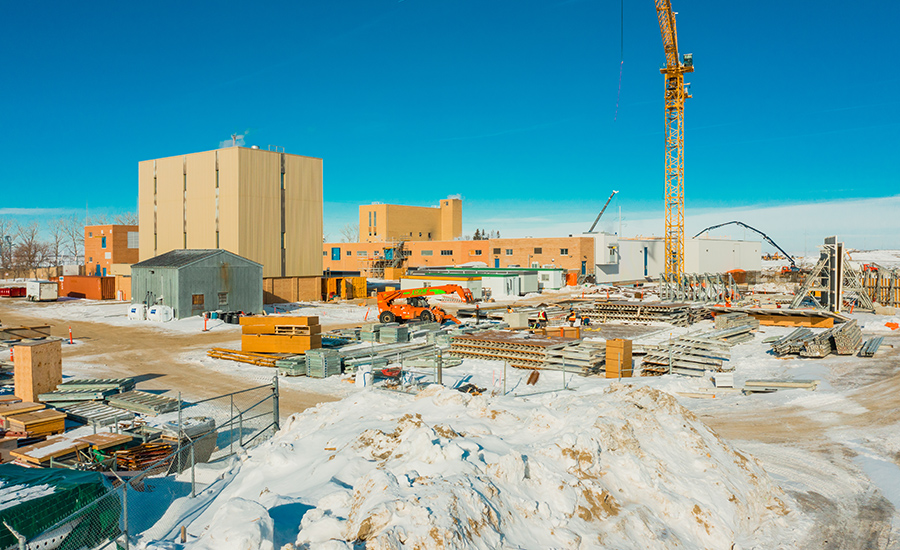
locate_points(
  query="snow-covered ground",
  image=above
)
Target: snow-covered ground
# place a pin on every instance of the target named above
(615, 468)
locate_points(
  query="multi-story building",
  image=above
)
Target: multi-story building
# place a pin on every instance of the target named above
(263, 205)
(569, 253)
(105, 245)
(393, 222)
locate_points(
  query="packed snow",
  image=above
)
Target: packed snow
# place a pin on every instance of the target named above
(13, 495)
(618, 467)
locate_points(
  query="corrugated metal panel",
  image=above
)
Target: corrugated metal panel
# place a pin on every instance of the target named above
(145, 209)
(303, 214)
(170, 203)
(260, 189)
(201, 200)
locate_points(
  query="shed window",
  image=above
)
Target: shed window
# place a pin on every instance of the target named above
(538, 250)
(197, 299)
(223, 298)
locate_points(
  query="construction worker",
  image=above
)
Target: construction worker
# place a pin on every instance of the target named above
(572, 317)
(542, 319)
(509, 309)
(585, 321)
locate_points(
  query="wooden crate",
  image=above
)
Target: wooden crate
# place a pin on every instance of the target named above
(271, 343)
(38, 368)
(618, 358)
(42, 452)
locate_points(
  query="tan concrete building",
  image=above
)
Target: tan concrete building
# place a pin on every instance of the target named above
(393, 222)
(263, 205)
(570, 253)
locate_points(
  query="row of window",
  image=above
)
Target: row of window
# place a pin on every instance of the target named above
(509, 252)
(197, 299)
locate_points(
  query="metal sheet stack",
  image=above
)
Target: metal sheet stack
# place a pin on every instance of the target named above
(143, 402)
(370, 332)
(678, 314)
(736, 319)
(322, 363)
(584, 355)
(393, 334)
(292, 366)
(92, 389)
(100, 414)
(521, 350)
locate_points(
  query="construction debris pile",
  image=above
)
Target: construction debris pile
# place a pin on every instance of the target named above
(843, 339)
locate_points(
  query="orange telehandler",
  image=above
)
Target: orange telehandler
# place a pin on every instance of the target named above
(416, 306)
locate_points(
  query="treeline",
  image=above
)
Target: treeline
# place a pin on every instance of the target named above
(25, 246)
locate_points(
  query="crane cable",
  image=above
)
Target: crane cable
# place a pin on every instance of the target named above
(621, 56)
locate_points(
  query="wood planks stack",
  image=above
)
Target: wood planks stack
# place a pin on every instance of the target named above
(38, 423)
(276, 334)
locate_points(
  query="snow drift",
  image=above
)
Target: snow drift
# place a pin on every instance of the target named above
(620, 468)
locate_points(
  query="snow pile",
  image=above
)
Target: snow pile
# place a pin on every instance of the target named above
(619, 468)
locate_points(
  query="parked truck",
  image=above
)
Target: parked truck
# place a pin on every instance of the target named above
(42, 291)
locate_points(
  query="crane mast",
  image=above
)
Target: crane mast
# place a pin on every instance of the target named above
(675, 94)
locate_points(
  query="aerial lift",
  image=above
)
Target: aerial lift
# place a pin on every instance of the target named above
(417, 306)
(602, 210)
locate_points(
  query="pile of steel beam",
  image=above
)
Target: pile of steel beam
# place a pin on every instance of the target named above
(735, 319)
(520, 350)
(843, 339)
(678, 314)
(692, 354)
(585, 355)
(871, 347)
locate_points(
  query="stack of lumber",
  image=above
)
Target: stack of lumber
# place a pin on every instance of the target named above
(55, 448)
(843, 339)
(521, 350)
(735, 319)
(142, 456)
(276, 334)
(143, 403)
(585, 355)
(258, 359)
(678, 314)
(38, 423)
(322, 363)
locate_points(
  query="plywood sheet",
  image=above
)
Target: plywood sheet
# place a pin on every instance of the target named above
(267, 343)
(54, 447)
(105, 440)
(273, 320)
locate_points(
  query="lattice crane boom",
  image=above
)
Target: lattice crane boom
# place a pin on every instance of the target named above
(675, 94)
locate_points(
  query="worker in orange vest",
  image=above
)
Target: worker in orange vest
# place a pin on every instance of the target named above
(572, 317)
(542, 319)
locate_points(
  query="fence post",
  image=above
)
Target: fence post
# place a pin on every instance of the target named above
(180, 465)
(275, 412)
(125, 511)
(193, 483)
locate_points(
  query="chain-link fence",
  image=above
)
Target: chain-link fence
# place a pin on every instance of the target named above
(149, 477)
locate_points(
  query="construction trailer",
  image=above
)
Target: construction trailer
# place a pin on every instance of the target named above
(88, 287)
(195, 281)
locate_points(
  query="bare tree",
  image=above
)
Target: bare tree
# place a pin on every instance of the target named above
(55, 245)
(126, 218)
(350, 233)
(73, 237)
(7, 242)
(30, 252)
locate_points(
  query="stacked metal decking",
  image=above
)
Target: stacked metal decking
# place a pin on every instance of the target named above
(585, 355)
(693, 354)
(143, 402)
(98, 414)
(292, 366)
(370, 332)
(735, 319)
(322, 363)
(391, 334)
(521, 350)
(89, 389)
(871, 347)
(678, 314)
(381, 356)
(843, 339)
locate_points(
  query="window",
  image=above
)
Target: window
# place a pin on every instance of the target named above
(223, 298)
(370, 221)
(90, 233)
(324, 253)
(420, 233)
(429, 235)
(509, 251)
(91, 259)
(107, 255)
(496, 251)
(535, 264)
(348, 252)
(475, 253)
(375, 221)
(446, 252)
(197, 299)
(564, 251)
(102, 242)
(361, 253)
(132, 239)
(377, 252)
(406, 253)
(545, 277)
(427, 252)
(538, 250)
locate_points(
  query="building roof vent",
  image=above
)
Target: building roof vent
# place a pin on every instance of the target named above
(254, 146)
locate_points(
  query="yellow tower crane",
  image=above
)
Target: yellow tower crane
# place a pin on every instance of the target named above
(676, 92)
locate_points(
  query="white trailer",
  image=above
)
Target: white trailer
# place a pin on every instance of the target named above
(42, 291)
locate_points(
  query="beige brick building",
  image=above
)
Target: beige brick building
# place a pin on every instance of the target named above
(393, 222)
(263, 205)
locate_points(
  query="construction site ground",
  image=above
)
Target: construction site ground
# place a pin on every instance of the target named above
(834, 450)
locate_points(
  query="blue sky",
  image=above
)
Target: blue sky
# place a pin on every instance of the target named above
(508, 103)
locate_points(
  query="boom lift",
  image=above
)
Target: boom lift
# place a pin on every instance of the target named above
(591, 230)
(416, 306)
